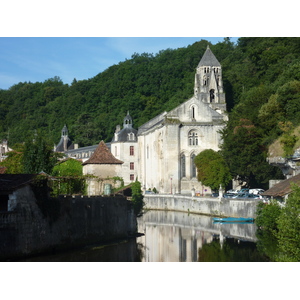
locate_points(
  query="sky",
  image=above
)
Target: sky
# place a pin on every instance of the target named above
(32, 59)
(78, 40)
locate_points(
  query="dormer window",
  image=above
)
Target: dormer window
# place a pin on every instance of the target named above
(131, 136)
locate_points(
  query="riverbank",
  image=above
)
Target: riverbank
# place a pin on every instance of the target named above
(224, 207)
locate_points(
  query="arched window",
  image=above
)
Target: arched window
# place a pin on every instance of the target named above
(193, 138)
(193, 166)
(204, 80)
(182, 166)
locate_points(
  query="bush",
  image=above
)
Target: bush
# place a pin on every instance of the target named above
(137, 198)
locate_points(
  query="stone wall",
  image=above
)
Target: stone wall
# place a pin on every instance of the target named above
(70, 222)
(203, 205)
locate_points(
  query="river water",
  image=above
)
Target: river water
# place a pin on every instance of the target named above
(173, 237)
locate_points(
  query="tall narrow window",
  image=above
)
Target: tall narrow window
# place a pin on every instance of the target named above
(182, 166)
(131, 177)
(193, 112)
(212, 95)
(193, 166)
(131, 166)
(131, 150)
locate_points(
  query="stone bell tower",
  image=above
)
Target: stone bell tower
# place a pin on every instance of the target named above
(209, 83)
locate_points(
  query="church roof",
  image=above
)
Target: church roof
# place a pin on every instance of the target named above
(102, 155)
(208, 59)
(60, 146)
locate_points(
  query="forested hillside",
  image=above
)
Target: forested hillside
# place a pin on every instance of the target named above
(144, 85)
(261, 79)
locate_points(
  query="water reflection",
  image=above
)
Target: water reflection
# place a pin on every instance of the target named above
(172, 237)
(182, 237)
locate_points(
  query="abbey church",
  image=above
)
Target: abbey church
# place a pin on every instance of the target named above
(160, 154)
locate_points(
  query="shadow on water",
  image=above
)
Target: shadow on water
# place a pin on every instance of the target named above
(121, 251)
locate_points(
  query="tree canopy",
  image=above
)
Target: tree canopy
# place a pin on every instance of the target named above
(212, 169)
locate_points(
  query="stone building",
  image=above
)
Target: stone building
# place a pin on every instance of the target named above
(124, 146)
(169, 143)
(104, 166)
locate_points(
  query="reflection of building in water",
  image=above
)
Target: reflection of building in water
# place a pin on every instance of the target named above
(177, 237)
(173, 243)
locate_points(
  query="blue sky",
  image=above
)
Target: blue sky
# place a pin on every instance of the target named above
(40, 58)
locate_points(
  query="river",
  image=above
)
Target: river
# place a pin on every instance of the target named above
(172, 237)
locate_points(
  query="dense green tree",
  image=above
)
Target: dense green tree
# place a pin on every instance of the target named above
(212, 169)
(38, 156)
(69, 178)
(69, 167)
(14, 160)
(289, 228)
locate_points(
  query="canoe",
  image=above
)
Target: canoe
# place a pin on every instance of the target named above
(233, 220)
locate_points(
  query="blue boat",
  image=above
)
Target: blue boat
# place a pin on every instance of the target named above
(233, 220)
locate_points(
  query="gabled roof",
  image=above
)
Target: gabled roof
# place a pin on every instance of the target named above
(10, 182)
(102, 155)
(208, 59)
(282, 188)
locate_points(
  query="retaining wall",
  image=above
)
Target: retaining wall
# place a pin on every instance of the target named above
(238, 208)
(74, 221)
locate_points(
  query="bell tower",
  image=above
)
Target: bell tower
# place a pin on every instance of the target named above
(209, 83)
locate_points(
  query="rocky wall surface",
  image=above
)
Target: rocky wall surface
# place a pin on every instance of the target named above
(69, 222)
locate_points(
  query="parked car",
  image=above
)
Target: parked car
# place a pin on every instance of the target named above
(232, 192)
(256, 191)
(229, 195)
(215, 194)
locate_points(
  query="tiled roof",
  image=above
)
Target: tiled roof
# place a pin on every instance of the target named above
(209, 59)
(102, 155)
(9, 182)
(282, 188)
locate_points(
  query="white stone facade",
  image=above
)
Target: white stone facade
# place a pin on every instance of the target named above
(168, 143)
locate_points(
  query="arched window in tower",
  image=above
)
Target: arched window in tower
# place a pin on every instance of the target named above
(211, 95)
(204, 80)
(193, 166)
(193, 138)
(182, 166)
